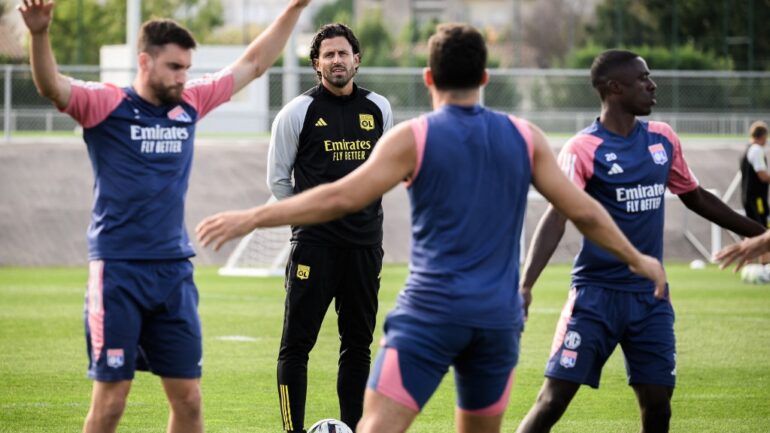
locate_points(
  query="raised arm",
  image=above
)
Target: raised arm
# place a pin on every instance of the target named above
(715, 210)
(590, 218)
(391, 161)
(263, 51)
(37, 15)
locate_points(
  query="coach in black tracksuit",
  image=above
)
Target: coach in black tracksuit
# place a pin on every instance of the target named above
(320, 137)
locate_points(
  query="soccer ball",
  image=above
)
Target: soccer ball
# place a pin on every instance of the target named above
(755, 274)
(329, 426)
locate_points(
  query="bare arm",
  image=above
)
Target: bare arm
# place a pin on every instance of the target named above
(263, 51)
(590, 218)
(49, 82)
(715, 210)
(763, 176)
(391, 161)
(548, 233)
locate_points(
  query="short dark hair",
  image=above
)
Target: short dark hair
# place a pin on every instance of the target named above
(457, 57)
(328, 31)
(758, 129)
(605, 64)
(156, 33)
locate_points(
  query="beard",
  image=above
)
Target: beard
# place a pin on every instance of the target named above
(167, 95)
(339, 81)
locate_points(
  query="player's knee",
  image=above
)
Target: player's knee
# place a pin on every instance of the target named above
(551, 404)
(108, 410)
(370, 423)
(356, 352)
(187, 404)
(296, 351)
(656, 411)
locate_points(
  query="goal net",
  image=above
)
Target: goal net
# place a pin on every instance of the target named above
(261, 253)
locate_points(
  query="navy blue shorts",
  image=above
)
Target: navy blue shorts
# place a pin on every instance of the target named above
(416, 355)
(595, 320)
(142, 315)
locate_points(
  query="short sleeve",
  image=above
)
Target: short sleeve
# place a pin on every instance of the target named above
(756, 157)
(576, 158)
(91, 102)
(681, 179)
(210, 91)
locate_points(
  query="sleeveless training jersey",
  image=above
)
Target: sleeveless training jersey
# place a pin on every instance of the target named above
(321, 137)
(468, 197)
(141, 156)
(628, 176)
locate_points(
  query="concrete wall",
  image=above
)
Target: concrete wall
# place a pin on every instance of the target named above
(45, 197)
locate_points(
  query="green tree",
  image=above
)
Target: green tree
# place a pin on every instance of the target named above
(376, 43)
(737, 30)
(81, 27)
(331, 13)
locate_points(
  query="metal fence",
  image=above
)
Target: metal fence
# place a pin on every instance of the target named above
(558, 100)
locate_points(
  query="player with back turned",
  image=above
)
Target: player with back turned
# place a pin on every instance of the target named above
(468, 170)
(141, 304)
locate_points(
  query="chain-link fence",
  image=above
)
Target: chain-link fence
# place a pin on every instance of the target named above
(558, 100)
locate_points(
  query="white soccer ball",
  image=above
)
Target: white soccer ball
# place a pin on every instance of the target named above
(329, 426)
(755, 274)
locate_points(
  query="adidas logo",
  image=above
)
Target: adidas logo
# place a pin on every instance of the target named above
(321, 122)
(615, 169)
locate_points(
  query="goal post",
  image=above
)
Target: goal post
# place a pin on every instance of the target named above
(262, 253)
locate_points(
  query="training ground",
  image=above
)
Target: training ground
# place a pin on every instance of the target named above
(47, 186)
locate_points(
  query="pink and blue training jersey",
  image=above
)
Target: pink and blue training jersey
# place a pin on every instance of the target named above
(141, 156)
(628, 176)
(468, 197)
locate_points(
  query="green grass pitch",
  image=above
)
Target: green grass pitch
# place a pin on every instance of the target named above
(723, 331)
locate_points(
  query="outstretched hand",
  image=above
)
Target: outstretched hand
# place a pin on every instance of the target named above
(743, 252)
(651, 268)
(217, 229)
(37, 14)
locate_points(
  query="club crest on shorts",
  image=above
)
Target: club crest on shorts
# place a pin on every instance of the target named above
(658, 153)
(568, 358)
(303, 272)
(572, 340)
(366, 121)
(115, 358)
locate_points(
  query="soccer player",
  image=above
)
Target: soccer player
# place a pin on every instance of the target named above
(626, 164)
(755, 176)
(468, 170)
(319, 137)
(141, 303)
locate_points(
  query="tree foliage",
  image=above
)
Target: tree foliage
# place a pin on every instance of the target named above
(376, 43)
(339, 11)
(81, 27)
(658, 57)
(736, 30)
